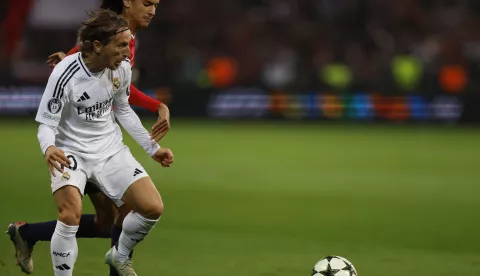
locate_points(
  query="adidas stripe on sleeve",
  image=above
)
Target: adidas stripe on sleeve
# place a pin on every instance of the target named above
(55, 96)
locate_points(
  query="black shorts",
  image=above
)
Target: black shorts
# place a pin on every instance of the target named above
(91, 188)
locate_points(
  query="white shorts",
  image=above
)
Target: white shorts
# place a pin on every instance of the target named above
(112, 176)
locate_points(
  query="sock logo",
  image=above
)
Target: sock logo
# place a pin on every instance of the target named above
(63, 255)
(137, 172)
(63, 267)
(137, 241)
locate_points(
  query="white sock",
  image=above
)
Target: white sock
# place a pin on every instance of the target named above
(135, 228)
(64, 249)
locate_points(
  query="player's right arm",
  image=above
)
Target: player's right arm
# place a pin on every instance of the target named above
(48, 115)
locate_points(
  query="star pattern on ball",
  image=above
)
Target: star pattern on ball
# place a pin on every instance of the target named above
(342, 265)
(348, 268)
(329, 271)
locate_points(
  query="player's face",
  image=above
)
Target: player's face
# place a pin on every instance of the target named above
(143, 11)
(116, 50)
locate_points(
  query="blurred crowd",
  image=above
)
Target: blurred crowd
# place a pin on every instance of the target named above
(397, 46)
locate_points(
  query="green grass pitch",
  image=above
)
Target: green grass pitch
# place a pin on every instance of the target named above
(270, 199)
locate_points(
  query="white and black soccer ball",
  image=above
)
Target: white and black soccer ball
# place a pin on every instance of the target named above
(334, 266)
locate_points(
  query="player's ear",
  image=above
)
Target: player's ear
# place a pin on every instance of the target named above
(97, 47)
(127, 3)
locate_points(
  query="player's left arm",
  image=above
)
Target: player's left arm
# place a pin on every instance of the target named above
(132, 124)
(162, 126)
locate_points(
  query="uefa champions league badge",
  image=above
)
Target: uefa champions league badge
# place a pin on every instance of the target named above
(116, 84)
(65, 176)
(54, 106)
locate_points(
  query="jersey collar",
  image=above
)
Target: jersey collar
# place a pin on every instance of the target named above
(80, 59)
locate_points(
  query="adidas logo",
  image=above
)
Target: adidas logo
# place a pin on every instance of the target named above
(137, 172)
(84, 97)
(63, 267)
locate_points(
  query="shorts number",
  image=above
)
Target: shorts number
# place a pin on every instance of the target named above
(73, 165)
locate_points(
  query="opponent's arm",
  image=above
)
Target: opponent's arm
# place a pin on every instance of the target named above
(162, 126)
(55, 58)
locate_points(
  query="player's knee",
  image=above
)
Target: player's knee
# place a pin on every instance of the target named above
(69, 213)
(153, 210)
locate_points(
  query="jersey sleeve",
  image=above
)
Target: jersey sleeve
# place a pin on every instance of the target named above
(53, 100)
(129, 119)
(138, 98)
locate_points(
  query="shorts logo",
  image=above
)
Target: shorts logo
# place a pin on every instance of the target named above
(54, 106)
(116, 84)
(65, 176)
(137, 172)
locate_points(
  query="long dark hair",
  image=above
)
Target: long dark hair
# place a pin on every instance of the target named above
(113, 5)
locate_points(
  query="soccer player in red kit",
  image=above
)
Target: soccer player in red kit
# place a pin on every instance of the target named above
(107, 222)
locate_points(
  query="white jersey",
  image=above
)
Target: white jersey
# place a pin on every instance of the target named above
(79, 104)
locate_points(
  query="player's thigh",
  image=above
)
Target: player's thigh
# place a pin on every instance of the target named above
(144, 198)
(68, 188)
(75, 175)
(117, 173)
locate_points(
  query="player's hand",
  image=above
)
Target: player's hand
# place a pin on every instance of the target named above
(162, 126)
(163, 156)
(55, 58)
(56, 158)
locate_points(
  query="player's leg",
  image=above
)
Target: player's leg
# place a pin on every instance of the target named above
(101, 223)
(67, 191)
(25, 235)
(107, 212)
(147, 209)
(123, 211)
(125, 181)
(63, 248)
(91, 226)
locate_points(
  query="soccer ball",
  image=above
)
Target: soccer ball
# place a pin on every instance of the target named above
(334, 266)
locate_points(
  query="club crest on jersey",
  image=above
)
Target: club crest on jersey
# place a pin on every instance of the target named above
(54, 106)
(116, 84)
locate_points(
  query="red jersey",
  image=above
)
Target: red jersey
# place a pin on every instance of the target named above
(137, 98)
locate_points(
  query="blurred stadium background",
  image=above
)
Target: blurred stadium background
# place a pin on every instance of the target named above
(302, 128)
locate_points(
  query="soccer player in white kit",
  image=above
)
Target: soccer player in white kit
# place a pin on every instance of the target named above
(81, 141)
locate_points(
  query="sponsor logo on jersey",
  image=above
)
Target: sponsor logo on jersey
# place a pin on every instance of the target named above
(116, 84)
(96, 110)
(54, 106)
